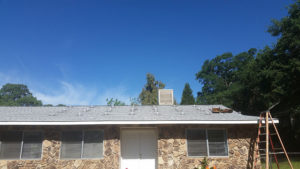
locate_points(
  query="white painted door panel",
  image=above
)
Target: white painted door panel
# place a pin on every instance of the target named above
(138, 149)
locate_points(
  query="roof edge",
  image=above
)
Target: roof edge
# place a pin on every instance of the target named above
(66, 123)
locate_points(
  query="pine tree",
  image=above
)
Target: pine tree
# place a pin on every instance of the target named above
(149, 94)
(187, 97)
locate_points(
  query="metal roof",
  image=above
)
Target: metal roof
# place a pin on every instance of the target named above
(194, 114)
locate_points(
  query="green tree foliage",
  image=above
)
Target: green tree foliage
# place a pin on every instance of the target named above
(252, 82)
(61, 105)
(149, 94)
(220, 77)
(17, 95)
(284, 70)
(48, 105)
(187, 97)
(114, 102)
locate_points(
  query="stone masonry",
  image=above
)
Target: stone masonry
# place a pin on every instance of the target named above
(171, 150)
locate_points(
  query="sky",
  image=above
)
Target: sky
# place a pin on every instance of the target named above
(79, 52)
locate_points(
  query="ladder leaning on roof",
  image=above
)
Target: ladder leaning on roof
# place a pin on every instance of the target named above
(262, 146)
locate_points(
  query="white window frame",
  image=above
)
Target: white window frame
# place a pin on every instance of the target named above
(82, 143)
(207, 143)
(22, 142)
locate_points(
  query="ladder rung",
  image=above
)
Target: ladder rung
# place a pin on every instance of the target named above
(265, 149)
(262, 142)
(262, 127)
(273, 153)
(271, 134)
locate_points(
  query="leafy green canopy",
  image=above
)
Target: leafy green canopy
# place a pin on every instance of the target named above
(220, 77)
(252, 82)
(284, 70)
(187, 97)
(149, 94)
(17, 95)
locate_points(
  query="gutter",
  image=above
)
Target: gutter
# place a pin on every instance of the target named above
(65, 123)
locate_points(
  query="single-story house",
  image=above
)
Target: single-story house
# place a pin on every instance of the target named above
(125, 137)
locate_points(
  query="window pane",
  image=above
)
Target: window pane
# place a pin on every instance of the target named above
(71, 144)
(32, 145)
(217, 141)
(93, 144)
(196, 142)
(11, 145)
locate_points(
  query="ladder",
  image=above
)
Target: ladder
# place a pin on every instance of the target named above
(264, 140)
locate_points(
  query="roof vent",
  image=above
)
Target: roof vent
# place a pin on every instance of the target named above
(132, 110)
(165, 97)
(219, 110)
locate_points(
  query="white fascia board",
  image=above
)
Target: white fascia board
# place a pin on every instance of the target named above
(62, 123)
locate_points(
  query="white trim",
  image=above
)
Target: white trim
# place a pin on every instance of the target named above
(127, 122)
(137, 129)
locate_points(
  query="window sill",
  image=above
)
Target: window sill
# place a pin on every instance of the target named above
(207, 156)
(97, 158)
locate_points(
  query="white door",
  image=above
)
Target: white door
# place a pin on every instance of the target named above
(138, 149)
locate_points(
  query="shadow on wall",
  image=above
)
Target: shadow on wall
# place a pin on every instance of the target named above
(251, 154)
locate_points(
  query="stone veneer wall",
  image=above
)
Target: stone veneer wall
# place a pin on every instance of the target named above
(172, 148)
(51, 151)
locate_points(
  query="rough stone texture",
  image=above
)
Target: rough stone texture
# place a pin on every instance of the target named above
(51, 149)
(172, 147)
(171, 150)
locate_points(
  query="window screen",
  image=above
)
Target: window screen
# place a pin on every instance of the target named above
(18, 144)
(82, 144)
(199, 140)
(93, 144)
(71, 144)
(217, 141)
(196, 142)
(11, 145)
(32, 145)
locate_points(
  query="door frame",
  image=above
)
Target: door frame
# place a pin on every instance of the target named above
(139, 128)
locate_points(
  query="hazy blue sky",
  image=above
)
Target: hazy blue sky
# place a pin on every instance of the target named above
(81, 52)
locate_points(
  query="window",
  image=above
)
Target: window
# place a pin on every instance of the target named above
(82, 144)
(207, 142)
(217, 142)
(197, 142)
(21, 145)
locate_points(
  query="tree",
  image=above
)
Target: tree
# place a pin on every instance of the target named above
(258, 81)
(149, 94)
(114, 102)
(61, 105)
(17, 95)
(48, 105)
(220, 77)
(187, 97)
(284, 70)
